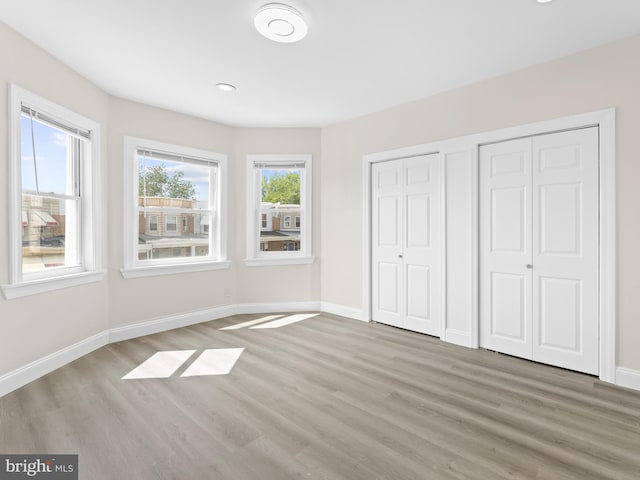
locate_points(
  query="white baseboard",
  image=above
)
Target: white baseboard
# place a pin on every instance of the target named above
(141, 329)
(34, 370)
(628, 378)
(458, 337)
(244, 308)
(342, 311)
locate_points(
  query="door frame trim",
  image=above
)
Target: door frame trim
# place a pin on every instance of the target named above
(605, 120)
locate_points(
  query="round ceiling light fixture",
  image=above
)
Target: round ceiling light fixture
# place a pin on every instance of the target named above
(280, 23)
(225, 87)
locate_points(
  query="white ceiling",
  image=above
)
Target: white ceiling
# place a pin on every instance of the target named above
(360, 56)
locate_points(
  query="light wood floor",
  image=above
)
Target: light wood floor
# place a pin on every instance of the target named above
(326, 398)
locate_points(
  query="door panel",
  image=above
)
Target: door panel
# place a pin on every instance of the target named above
(418, 282)
(560, 314)
(405, 199)
(505, 247)
(388, 290)
(565, 250)
(418, 220)
(560, 228)
(507, 220)
(508, 306)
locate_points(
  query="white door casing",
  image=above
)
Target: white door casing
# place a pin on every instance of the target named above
(406, 251)
(539, 248)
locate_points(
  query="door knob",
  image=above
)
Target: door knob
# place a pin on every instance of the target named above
(529, 265)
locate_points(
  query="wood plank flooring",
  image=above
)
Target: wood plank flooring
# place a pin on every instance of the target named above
(326, 398)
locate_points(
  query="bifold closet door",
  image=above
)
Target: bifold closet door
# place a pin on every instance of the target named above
(539, 248)
(405, 241)
(505, 247)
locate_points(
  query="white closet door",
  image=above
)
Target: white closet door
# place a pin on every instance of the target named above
(406, 246)
(565, 249)
(505, 247)
(386, 242)
(422, 250)
(539, 248)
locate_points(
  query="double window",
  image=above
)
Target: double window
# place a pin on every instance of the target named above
(174, 209)
(279, 209)
(54, 211)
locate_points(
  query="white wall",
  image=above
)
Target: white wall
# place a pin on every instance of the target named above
(32, 327)
(605, 77)
(142, 299)
(294, 283)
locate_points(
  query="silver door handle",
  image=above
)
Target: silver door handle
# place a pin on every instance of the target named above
(529, 265)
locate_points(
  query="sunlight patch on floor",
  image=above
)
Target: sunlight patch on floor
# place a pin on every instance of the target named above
(218, 361)
(251, 322)
(281, 322)
(160, 365)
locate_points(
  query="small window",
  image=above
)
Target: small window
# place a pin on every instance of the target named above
(280, 195)
(172, 223)
(180, 191)
(54, 161)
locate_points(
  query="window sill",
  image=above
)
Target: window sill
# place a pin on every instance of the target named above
(154, 270)
(35, 287)
(269, 262)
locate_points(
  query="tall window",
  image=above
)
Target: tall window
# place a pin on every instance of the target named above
(279, 190)
(53, 159)
(174, 208)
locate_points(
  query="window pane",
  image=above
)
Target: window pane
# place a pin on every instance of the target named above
(281, 186)
(54, 161)
(168, 235)
(280, 209)
(49, 233)
(171, 180)
(281, 238)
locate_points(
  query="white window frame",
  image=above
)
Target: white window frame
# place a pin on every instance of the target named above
(217, 258)
(89, 268)
(255, 257)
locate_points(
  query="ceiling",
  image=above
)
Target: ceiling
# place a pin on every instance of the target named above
(359, 56)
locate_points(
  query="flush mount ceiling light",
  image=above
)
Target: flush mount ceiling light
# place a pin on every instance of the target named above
(225, 87)
(280, 23)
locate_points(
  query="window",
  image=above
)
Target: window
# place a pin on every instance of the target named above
(180, 191)
(279, 197)
(54, 196)
(172, 223)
